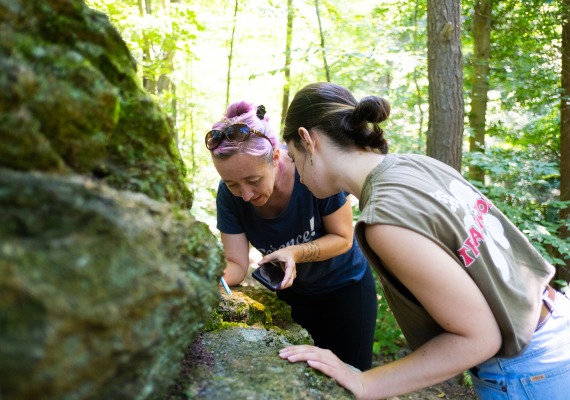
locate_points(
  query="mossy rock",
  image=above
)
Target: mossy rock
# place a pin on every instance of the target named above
(71, 102)
(253, 306)
(237, 356)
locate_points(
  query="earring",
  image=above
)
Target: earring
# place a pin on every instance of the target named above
(311, 160)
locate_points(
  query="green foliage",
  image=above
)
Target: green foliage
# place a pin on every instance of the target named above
(537, 135)
(388, 338)
(526, 190)
(564, 286)
(525, 66)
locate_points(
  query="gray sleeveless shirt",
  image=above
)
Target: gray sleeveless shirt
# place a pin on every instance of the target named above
(428, 197)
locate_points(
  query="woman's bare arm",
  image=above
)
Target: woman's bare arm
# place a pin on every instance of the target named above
(449, 295)
(236, 249)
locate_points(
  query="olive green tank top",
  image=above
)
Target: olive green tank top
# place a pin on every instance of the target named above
(428, 197)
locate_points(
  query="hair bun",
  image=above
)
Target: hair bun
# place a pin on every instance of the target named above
(260, 112)
(238, 108)
(371, 109)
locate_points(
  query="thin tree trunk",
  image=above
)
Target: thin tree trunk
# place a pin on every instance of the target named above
(417, 73)
(287, 68)
(445, 75)
(149, 82)
(564, 233)
(480, 82)
(164, 83)
(174, 105)
(231, 55)
(323, 49)
(192, 130)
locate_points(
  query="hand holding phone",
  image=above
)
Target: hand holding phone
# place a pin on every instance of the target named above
(270, 275)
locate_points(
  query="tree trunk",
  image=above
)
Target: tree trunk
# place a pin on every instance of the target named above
(445, 75)
(231, 55)
(287, 67)
(562, 273)
(189, 113)
(323, 49)
(417, 74)
(480, 82)
(164, 83)
(149, 83)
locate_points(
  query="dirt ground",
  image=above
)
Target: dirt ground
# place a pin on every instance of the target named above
(447, 390)
(454, 389)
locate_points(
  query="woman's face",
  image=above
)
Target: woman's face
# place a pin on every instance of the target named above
(249, 177)
(308, 171)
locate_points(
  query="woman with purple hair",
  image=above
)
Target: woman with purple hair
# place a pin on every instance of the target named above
(261, 201)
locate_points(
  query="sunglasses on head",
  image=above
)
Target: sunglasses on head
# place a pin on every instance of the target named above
(234, 133)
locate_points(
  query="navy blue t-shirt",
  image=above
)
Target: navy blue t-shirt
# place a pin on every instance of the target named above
(300, 222)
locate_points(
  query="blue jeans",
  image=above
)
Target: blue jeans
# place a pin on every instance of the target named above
(541, 371)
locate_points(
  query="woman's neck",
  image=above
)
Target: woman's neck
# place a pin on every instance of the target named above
(282, 190)
(354, 167)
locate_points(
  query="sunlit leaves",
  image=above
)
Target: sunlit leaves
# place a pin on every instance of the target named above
(526, 189)
(525, 53)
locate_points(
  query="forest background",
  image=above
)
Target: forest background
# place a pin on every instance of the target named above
(196, 57)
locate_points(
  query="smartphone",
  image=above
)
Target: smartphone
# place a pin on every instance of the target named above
(270, 275)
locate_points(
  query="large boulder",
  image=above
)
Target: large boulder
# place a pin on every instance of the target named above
(105, 277)
(101, 291)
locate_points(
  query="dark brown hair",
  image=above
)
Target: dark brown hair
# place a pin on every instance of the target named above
(333, 110)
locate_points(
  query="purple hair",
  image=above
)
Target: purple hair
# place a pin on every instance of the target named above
(243, 112)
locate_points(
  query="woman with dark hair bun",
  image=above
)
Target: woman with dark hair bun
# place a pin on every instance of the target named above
(328, 282)
(467, 288)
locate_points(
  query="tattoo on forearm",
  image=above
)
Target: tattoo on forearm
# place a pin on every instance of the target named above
(311, 252)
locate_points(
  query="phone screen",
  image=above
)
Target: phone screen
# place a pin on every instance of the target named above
(270, 275)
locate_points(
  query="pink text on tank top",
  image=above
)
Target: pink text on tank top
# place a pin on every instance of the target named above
(469, 250)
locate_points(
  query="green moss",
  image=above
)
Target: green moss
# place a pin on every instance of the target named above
(222, 325)
(251, 306)
(70, 89)
(239, 311)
